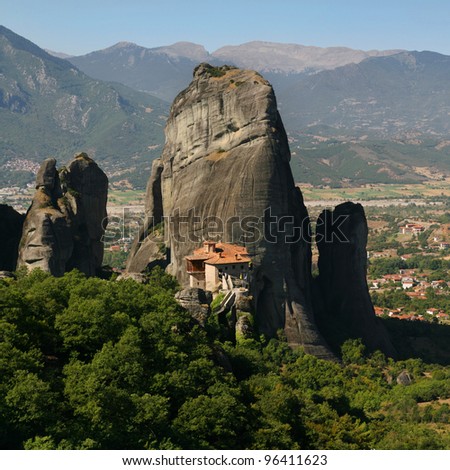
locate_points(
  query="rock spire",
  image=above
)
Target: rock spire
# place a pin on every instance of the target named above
(224, 173)
(64, 226)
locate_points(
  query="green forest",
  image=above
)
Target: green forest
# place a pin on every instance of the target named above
(105, 364)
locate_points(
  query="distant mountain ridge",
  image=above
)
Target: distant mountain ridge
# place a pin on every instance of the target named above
(161, 71)
(189, 50)
(164, 71)
(293, 58)
(60, 55)
(385, 93)
(386, 96)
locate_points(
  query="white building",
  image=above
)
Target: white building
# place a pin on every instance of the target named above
(408, 282)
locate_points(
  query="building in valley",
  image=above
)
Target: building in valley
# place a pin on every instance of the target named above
(415, 229)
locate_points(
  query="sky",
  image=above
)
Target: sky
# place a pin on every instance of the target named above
(77, 27)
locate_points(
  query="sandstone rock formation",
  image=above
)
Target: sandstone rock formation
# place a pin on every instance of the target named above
(64, 226)
(196, 302)
(7, 275)
(226, 165)
(150, 240)
(244, 327)
(404, 378)
(343, 306)
(140, 278)
(11, 230)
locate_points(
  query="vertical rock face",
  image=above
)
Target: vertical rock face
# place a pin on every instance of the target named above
(88, 186)
(146, 247)
(343, 303)
(11, 223)
(224, 174)
(64, 226)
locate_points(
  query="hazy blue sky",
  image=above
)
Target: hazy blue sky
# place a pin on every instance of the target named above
(81, 26)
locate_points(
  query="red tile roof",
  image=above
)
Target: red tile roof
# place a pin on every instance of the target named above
(220, 253)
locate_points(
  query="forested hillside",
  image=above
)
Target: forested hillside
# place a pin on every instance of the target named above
(104, 364)
(49, 108)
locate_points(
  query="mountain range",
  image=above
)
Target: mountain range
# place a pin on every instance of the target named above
(352, 116)
(161, 71)
(380, 92)
(164, 71)
(48, 107)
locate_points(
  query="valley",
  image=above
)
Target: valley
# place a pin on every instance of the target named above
(430, 192)
(235, 258)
